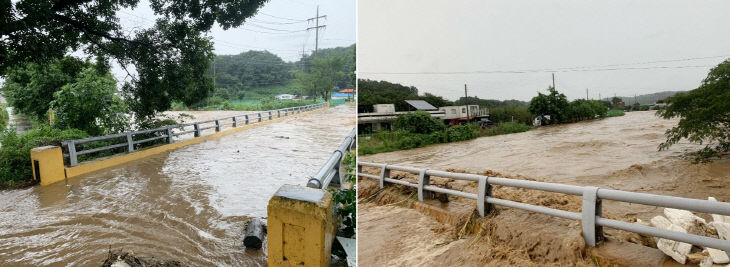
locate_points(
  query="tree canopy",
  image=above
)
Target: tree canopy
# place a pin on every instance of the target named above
(171, 58)
(704, 114)
(554, 104)
(322, 77)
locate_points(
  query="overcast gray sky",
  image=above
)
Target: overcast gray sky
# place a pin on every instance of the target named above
(279, 27)
(508, 49)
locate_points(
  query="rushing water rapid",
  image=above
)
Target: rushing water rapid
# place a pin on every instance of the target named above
(189, 204)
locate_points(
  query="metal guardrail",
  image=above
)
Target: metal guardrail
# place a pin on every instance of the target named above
(590, 216)
(332, 168)
(168, 133)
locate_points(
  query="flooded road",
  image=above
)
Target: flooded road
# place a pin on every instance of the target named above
(188, 204)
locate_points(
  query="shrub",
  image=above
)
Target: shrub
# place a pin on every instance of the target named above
(15, 165)
(4, 117)
(615, 113)
(419, 122)
(462, 132)
(505, 114)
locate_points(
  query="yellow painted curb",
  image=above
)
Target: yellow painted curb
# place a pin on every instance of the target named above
(124, 158)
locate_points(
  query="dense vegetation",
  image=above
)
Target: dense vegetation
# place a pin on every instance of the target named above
(236, 75)
(15, 166)
(4, 117)
(704, 114)
(560, 110)
(415, 129)
(170, 59)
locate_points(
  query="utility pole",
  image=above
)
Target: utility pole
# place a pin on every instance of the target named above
(586, 93)
(553, 80)
(466, 101)
(316, 29)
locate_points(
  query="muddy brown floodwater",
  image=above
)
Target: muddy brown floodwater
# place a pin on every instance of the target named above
(189, 204)
(618, 152)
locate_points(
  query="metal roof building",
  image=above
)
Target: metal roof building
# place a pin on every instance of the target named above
(421, 105)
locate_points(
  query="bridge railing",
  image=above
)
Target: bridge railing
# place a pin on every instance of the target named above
(590, 216)
(332, 168)
(169, 132)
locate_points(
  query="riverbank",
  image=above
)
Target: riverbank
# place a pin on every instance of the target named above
(618, 152)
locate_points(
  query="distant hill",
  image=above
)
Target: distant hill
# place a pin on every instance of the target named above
(646, 99)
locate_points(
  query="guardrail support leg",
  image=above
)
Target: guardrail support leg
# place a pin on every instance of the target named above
(384, 173)
(271, 115)
(197, 130)
(592, 233)
(169, 134)
(423, 180)
(484, 192)
(260, 117)
(246, 117)
(278, 113)
(217, 125)
(72, 157)
(235, 122)
(130, 143)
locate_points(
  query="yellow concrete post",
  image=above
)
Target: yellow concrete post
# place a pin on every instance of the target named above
(47, 164)
(300, 226)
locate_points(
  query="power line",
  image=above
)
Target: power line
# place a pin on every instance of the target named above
(289, 19)
(537, 71)
(316, 29)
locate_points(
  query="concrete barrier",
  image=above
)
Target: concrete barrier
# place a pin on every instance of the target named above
(301, 227)
(51, 168)
(47, 164)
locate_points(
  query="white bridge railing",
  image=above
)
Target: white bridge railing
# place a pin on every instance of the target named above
(332, 168)
(168, 134)
(590, 216)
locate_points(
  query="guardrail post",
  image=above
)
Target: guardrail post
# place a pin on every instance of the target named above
(246, 117)
(592, 233)
(73, 158)
(423, 180)
(197, 129)
(384, 173)
(169, 134)
(217, 125)
(260, 118)
(278, 113)
(271, 115)
(235, 122)
(484, 192)
(130, 143)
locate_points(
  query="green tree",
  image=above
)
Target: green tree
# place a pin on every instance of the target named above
(322, 78)
(704, 114)
(554, 104)
(419, 122)
(171, 58)
(29, 88)
(90, 104)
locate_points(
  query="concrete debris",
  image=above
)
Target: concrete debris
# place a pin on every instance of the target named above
(706, 262)
(723, 229)
(717, 217)
(693, 224)
(717, 256)
(677, 250)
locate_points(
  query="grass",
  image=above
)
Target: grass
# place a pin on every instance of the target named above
(4, 116)
(505, 128)
(615, 113)
(387, 141)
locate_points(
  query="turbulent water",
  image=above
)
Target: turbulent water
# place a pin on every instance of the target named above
(617, 152)
(188, 204)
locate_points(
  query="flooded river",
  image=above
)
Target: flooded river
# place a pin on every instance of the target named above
(188, 204)
(618, 152)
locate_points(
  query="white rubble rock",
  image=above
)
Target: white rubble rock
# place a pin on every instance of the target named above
(120, 263)
(706, 262)
(717, 217)
(723, 229)
(718, 256)
(693, 224)
(677, 250)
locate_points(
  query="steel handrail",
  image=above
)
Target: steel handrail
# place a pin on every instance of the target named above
(130, 143)
(331, 168)
(590, 215)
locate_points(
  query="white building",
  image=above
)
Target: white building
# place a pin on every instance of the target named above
(285, 97)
